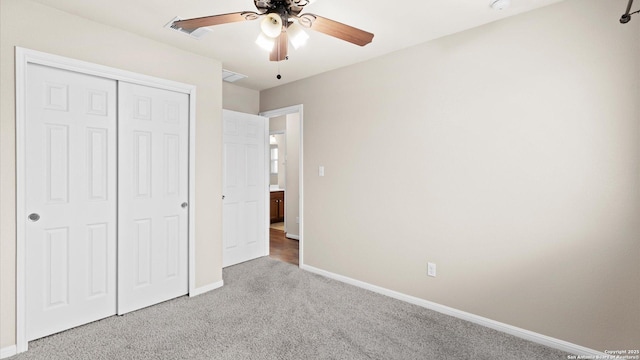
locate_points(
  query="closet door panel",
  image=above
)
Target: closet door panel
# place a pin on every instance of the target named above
(70, 199)
(153, 192)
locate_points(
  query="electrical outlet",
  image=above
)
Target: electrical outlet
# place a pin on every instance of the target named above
(431, 269)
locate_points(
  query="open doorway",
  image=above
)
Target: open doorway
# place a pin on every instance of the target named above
(283, 244)
(285, 184)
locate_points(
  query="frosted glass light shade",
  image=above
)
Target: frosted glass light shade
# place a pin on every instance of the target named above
(297, 36)
(265, 42)
(271, 25)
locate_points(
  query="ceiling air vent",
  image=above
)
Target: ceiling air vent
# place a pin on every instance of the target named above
(194, 33)
(230, 76)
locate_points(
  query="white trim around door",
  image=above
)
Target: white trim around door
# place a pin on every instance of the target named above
(26, 56)
(280, 112)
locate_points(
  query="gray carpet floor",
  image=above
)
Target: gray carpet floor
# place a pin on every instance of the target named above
(272, 310)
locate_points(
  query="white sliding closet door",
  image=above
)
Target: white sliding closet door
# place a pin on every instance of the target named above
(70, 196)
(153, 192)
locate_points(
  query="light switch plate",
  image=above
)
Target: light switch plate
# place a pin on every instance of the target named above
(320, 170)
(431, 269)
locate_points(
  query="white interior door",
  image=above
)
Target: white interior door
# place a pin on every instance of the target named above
(70, 194)
(153, 155)
(244, 187)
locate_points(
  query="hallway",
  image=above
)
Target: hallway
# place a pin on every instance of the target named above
(282, 248)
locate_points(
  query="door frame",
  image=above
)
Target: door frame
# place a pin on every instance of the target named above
(23, 57)
(280, 112)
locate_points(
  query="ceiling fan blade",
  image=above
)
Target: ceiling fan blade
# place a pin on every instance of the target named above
(216, 20)
(280, 48)
(336, 29)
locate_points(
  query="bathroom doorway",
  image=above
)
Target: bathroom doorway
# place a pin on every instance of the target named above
(285, 184)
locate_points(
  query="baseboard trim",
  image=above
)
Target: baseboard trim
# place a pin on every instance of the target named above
(8, 351)
(505, 328)
(291, 236)
(204, 289)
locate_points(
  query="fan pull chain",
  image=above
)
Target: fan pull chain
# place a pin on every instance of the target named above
(279, 76)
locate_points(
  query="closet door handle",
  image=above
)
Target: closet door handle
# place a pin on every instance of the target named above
(33, 217)
(184, 205)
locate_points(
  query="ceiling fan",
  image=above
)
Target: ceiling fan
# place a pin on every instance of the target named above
(281, 23)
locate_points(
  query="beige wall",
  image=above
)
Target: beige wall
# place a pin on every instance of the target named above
(279, 124)
(292, 196)
(507, 154)
(240, 99)
(31, 25)
(281, 139)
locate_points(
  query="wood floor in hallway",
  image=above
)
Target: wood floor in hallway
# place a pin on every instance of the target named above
(282, 248)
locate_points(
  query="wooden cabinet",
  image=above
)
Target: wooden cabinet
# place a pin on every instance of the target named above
(277, 206)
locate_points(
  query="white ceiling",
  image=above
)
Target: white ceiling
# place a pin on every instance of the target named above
(396, 25)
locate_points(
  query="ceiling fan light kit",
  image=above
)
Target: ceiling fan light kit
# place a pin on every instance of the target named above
(271, 25)
(297, 36)
(265, 42)
(282, 23)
